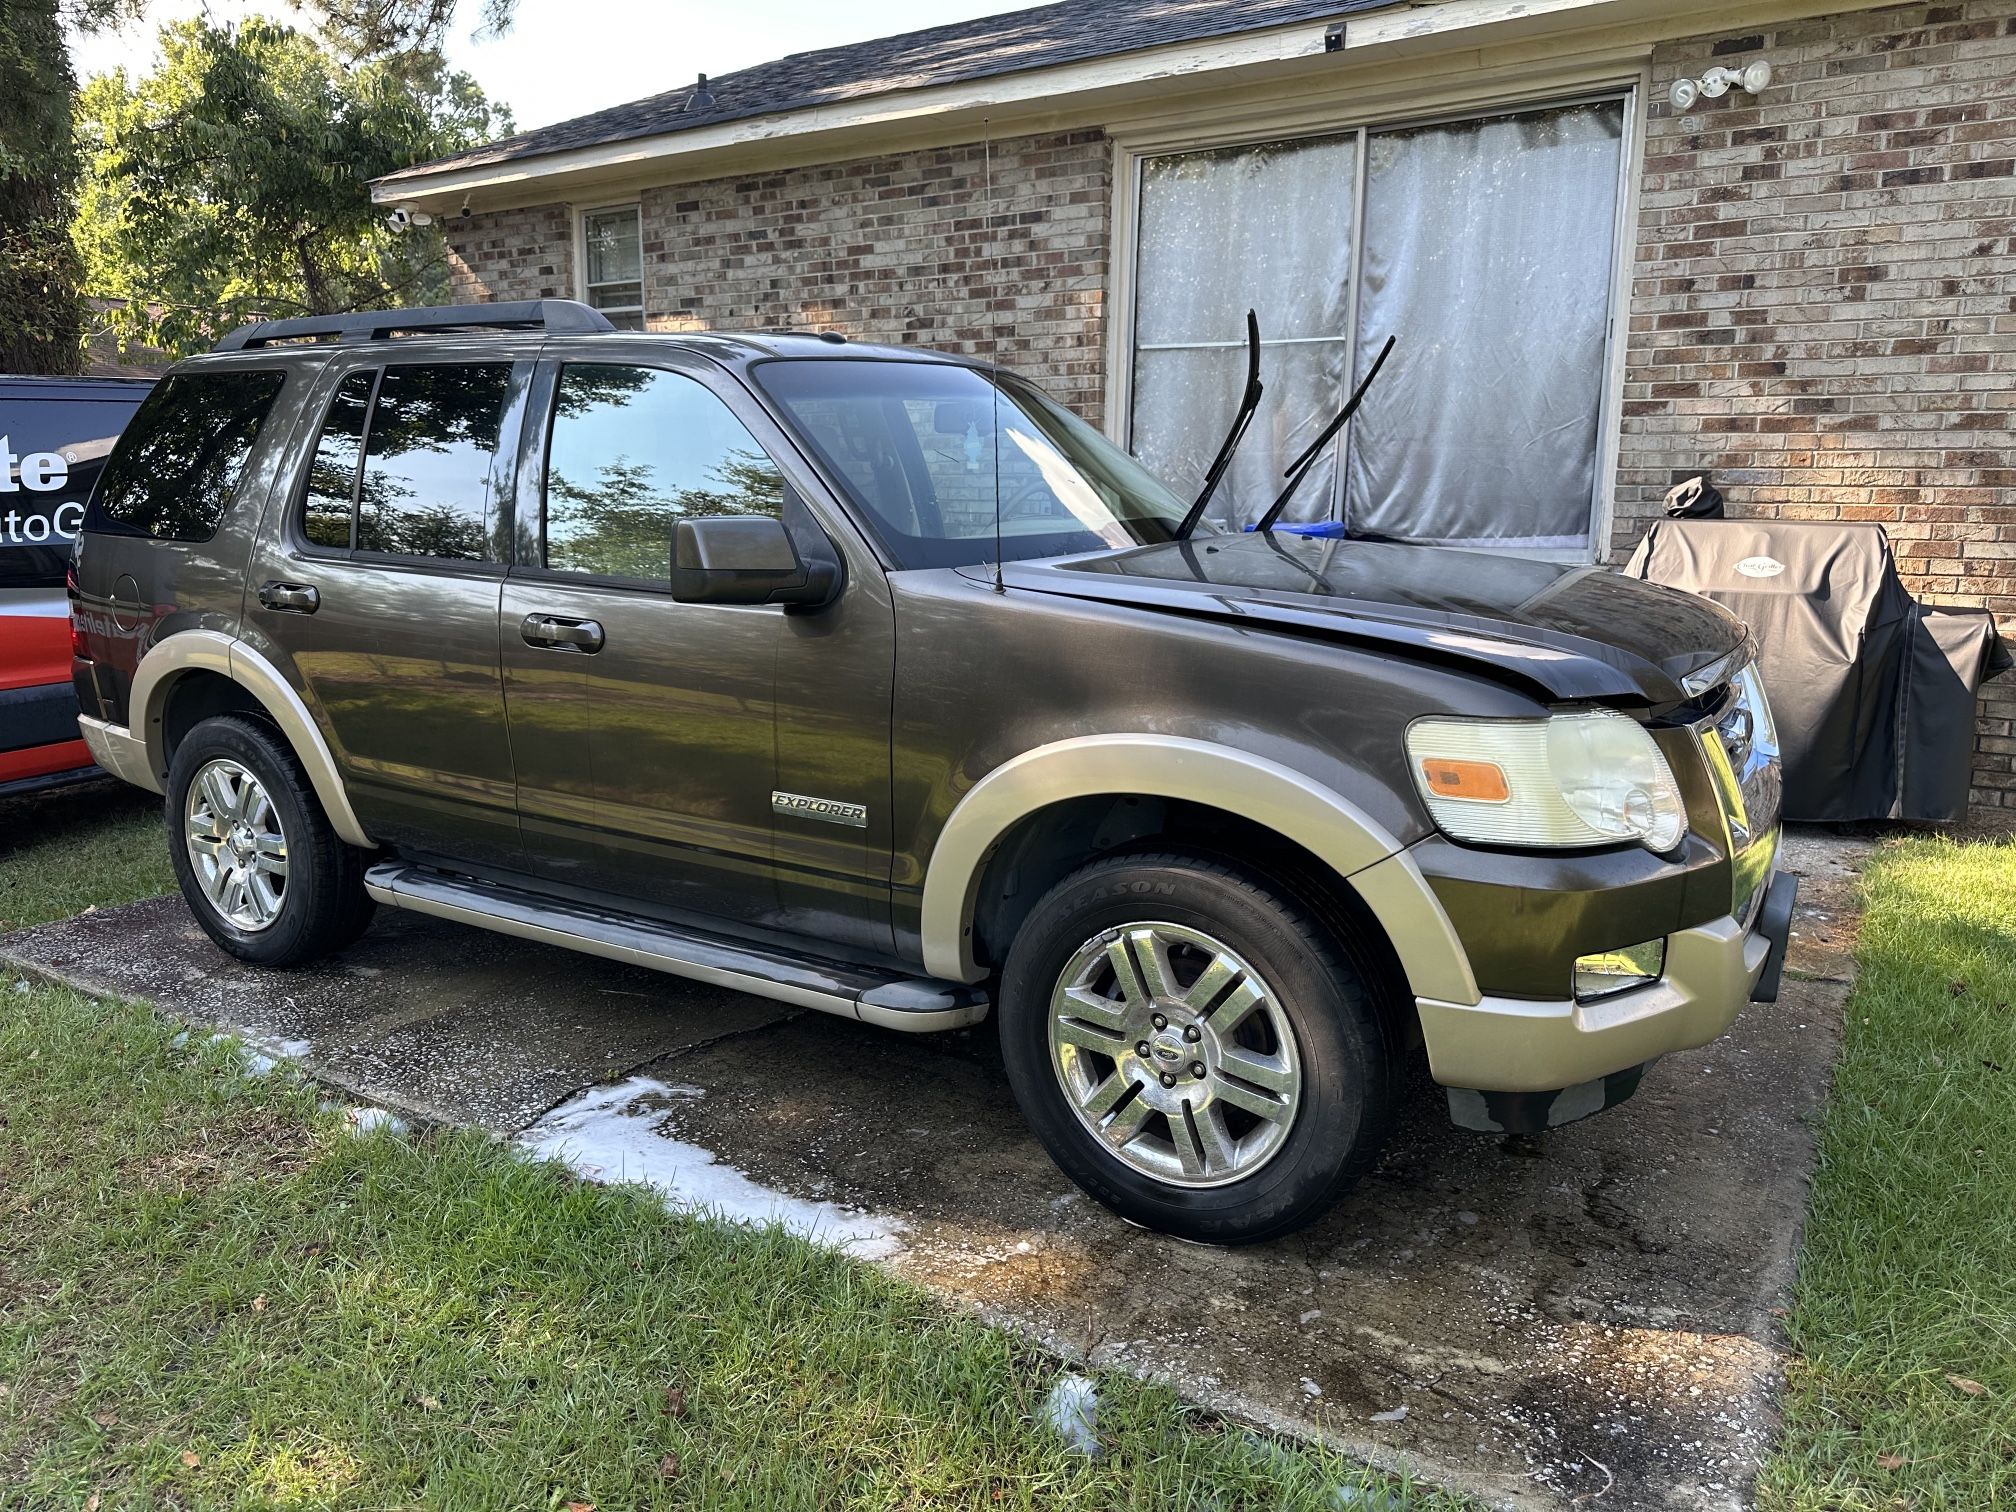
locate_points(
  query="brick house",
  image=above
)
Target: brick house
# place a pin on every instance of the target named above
(1804, 290)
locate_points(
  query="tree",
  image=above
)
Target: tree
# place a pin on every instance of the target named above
(41, 313)
(232, 182)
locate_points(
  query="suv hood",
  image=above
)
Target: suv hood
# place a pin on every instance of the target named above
(1569, 632)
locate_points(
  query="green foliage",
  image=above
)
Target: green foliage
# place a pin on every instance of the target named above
(233, 182)
(41, 315)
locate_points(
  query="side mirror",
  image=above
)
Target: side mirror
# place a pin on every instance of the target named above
(746, 559)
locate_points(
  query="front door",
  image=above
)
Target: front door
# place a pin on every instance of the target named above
(658, 743)
(643, 727)
(379, 579)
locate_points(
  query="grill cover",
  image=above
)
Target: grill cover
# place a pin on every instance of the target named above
(1872, 692)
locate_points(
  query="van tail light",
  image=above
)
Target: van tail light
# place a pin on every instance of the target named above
(79, 644)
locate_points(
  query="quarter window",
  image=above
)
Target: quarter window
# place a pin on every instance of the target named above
(174, 471)
(427, 487)
(612, 247)
(331, 500)
(633, 451)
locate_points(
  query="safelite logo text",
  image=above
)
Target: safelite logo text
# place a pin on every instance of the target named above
(36, 473)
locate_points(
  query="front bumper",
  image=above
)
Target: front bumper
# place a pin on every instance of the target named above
(1503, 1044)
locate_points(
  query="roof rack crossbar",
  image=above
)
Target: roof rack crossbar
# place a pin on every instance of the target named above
(556, 317)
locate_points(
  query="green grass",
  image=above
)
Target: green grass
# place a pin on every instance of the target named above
(212, 1295)
(79, 848)
(1902, 1393)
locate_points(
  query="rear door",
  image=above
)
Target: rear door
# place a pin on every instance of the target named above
(378, 582)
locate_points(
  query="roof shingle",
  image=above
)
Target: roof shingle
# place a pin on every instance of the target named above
(1043, 37)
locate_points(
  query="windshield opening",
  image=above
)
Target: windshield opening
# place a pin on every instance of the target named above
(919, 447)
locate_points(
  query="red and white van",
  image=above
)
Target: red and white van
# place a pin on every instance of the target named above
(54, 436)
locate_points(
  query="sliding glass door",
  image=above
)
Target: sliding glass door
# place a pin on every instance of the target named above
(1486, 246)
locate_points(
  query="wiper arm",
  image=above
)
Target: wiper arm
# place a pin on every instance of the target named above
(1249, 401)
(1300, 467)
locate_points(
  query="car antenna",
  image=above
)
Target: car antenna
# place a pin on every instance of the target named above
(1300, 467)
(1249, 401)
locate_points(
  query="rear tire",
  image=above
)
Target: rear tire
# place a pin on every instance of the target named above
(257, 861)
(1194, 1048)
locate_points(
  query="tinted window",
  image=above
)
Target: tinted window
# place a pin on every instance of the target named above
(943, 464)
(175, 468)
(427, 489)
(635, 450)
(332, 476)
(51, 453)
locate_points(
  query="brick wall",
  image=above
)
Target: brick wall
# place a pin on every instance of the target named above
(512, 254)
(1821, 311)
(902, 249)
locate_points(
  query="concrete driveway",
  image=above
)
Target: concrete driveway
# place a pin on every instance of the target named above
(1584, 1312)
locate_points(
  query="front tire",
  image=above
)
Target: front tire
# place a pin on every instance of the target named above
(253, 852)
(1194, 1048)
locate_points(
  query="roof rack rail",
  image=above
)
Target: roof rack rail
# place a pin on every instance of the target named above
(557, 317)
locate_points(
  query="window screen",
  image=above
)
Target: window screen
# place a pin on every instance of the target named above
(633, 451)
(331, 497)
(613, 248)
(427, 487)
(1266, 228)
(1488, 252)
(174, 470)
(1486, 246)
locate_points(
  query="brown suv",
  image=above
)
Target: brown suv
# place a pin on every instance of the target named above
(874, 681)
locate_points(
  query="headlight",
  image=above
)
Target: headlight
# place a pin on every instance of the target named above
(1572, 780)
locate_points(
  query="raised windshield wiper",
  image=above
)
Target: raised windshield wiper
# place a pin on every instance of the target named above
(1300, 467)
(1248, 403)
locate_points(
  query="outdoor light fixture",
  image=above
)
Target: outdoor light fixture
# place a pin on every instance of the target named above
(1716, 82)
(406, 216)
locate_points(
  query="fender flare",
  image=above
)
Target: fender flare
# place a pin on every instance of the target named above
(172, 658)
(1362, 852)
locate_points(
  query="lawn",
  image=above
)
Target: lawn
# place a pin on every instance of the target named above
(78, 848)
(1902, 1391)
(212, 1294)
(215, 1293)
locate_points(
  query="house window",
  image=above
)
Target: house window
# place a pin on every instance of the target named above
(1486, 246)
(612, 264)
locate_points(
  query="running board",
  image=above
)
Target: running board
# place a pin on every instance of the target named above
(915, 1004)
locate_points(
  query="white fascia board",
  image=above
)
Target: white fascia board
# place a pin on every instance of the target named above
(1075, 94)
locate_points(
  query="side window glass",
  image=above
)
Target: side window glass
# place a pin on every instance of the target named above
(332, 477)
(176, 467)
(633, 451)
(426, 488)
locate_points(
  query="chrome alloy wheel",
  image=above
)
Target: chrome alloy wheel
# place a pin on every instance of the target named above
(236, 845)
(1175, 1053)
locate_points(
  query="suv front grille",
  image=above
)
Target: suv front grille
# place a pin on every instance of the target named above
(1740, 742)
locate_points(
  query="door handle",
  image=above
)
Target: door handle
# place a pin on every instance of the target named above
(558, 634)
(294, 598)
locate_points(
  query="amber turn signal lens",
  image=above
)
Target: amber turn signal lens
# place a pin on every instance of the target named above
(1478, 781)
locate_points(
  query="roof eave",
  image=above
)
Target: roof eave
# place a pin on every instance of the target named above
(1054, 97)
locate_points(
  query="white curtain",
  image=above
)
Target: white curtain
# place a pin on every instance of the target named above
(1488, 253)
(1265, 228)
